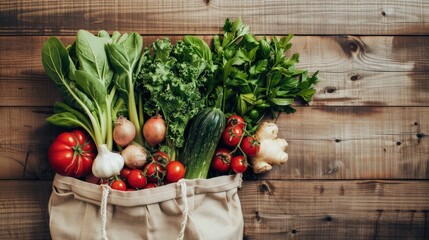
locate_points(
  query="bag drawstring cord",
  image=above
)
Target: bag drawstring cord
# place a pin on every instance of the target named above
(182, 185)
(103, 210)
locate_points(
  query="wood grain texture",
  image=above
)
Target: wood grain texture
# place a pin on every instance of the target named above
(272, 209)
(355, 143)
(335, 209)
(24, 209)
(354, 71)
(153, 17)
(324, 143)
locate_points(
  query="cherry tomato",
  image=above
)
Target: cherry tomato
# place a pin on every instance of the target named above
(231, 135)
(118, 185)
(250, 146)
(220, 160)
(136, 179)
(175, 171)
(124, 172)
(236, 120)
(238, 164)
(151, 185)
(161, 157)
(154, 171)
(72, 154)
(92, 179)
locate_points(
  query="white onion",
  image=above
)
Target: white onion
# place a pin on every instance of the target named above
(135, 156)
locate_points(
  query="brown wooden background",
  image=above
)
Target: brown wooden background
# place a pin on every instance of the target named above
(359, 154)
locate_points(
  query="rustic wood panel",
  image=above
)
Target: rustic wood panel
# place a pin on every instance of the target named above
(335, 209)
(355, 143)
(324, 143)
(354, 71)
(24, 209)
(53, 17)
(271, 209)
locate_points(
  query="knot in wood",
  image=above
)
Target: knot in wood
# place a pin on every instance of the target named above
(265, 188)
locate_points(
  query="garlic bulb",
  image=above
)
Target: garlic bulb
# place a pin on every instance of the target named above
(107, 163)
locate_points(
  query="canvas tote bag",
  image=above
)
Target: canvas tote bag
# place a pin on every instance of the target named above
(190, 209)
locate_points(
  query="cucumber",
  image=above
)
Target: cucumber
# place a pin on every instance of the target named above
(202, 139)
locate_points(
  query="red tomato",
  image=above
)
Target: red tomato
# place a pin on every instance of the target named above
(236, 120)
(175, 171)
(250, 146)
(136, 179)
(220, 160)
(92, 179)
(118, 185)
(238, 164)
(154, 172)
(151, 185)
(124, 172)
(231, 135)
(161, 157)
(72, 154)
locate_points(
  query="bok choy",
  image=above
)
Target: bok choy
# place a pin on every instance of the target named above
(93, 92)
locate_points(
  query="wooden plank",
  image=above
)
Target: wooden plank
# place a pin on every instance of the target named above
(355, 143)
(335, 209)
(271, 209)
(24, 209)
(48, 17)
(354, 71)
(24, 142)
(324, 143)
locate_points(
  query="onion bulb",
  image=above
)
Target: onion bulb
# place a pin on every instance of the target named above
(135, 156)
(154, 130)
(124, 131)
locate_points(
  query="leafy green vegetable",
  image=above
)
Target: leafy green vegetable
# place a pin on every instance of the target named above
(256, 73)
(83, 74)
(172, 82)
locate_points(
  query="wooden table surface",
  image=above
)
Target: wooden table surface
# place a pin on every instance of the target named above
(359, 153)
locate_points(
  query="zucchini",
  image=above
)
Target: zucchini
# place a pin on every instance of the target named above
(202, 139)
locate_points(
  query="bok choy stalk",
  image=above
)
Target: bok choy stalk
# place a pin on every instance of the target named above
(82, 73)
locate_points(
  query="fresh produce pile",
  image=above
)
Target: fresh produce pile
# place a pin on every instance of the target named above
(143, 117)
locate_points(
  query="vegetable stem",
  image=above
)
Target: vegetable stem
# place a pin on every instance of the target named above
(132, 110)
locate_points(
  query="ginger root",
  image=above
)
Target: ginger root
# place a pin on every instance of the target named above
(272, 149)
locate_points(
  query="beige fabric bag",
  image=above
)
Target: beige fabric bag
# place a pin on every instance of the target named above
(210, 209)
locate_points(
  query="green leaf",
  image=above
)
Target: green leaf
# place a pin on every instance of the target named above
(200, 47)
(241, 106)
(282, 101)
(119, 58)
(259, 67)
(249, 98)
(91, 86)
(60, 107)
(90, 51)
(55, 60)
(65, 119)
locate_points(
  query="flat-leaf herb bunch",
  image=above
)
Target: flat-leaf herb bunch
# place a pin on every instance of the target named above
(255, 76)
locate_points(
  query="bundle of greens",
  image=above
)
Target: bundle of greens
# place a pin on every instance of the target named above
(84, 73)
(255, 75)
(173, 82)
